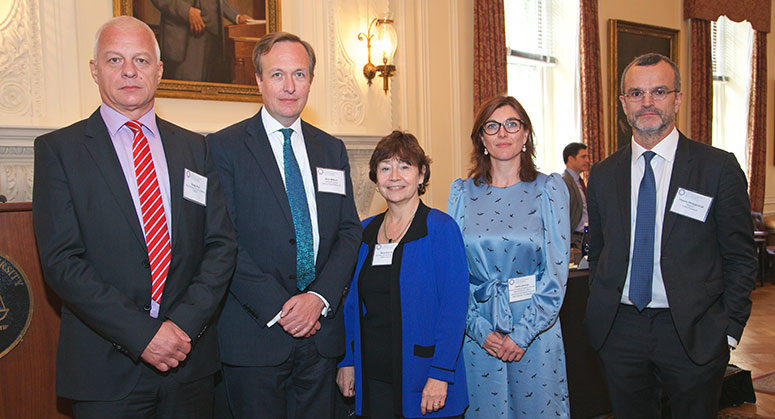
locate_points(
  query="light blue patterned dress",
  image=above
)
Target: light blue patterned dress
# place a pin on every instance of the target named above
(511, 232)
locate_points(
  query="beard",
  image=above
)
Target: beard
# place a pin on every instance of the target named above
(666, 119)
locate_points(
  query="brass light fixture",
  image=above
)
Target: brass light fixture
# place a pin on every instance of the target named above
(384, 45)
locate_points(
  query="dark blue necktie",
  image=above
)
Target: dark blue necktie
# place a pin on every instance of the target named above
(642, 271)
(297, 198)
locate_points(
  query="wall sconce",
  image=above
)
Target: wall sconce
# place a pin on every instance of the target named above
(384, 45)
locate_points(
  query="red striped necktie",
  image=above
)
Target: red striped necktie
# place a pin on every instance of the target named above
(157, 237)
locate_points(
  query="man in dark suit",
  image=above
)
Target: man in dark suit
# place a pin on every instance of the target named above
(289, 194)
(192, 38)
(576, 158)
(135, 239)
(672, 257)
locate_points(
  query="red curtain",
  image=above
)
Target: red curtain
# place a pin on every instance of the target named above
(490, 78)
(755, 11)
(591, 88)
(757, 118)
(702, 82)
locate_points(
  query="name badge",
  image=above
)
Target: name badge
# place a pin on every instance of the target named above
(331, 181)
(195, 187)
(383, 254)
(522, 288)
(691, 204)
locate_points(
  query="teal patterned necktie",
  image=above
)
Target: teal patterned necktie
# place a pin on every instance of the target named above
(297, 198)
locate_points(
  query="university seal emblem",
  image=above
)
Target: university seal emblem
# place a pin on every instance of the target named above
(15, 304)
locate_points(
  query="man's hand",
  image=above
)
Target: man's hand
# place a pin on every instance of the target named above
(243, 18)
(509, 351)
(300, 315)
(168, 348)
(434, 395)
(492, 343)
(345, 379)
(195, 22)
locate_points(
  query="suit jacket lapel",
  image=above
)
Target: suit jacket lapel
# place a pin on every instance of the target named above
(684, 161)
(258, 144)
(175, 168)
(624, 192)
(102, 151)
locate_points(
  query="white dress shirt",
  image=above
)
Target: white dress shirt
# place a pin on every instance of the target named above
(662, 164)
(276, 140)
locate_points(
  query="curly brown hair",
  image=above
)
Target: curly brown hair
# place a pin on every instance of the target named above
(480, 163)
(406, 148)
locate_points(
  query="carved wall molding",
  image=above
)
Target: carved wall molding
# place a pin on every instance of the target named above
(347, 103)
(20, 61)
(16, 164)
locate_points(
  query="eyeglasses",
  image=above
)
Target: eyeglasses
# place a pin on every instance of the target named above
(658, 94)
(512, 126)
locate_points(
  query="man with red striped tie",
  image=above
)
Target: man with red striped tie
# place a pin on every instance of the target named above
(134, 237)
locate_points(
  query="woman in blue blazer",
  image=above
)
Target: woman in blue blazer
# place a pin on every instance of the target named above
(405, 313)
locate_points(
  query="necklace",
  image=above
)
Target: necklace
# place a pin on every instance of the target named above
(384, 229)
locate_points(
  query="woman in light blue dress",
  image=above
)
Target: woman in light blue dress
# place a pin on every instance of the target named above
(516, 230)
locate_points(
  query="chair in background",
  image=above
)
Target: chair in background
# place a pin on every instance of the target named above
(765, 252)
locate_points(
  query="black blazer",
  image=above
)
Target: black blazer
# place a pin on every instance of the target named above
(265, 277)
(708, 268)
(94, 256)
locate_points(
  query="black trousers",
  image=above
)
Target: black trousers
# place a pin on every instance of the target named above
(381, 402)
(643, 354)
(300, 387)
(156, 395)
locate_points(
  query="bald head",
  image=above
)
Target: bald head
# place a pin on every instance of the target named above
(126, 22)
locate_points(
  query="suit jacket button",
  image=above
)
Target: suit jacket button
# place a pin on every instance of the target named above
(292, 242)
(292, 277)
(146, 264)
(147, 307)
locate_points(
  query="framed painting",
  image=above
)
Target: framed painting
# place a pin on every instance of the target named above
(627, 40)
(206, 50)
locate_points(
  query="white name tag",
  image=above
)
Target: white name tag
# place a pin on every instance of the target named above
(383, 254)
(195, 187)
(331, 181)
(691, 204)
(522, 288)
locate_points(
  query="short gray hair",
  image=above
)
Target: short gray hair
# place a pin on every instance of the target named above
(647, 60)
(127, 21)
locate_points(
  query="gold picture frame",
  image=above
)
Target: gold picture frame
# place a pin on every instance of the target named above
(627, 40)
(208, 90)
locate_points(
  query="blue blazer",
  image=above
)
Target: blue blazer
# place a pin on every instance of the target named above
(432, 291)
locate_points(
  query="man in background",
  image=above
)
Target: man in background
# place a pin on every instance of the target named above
(192, 38)
(289, 194)
(576, 158)
(134, 237)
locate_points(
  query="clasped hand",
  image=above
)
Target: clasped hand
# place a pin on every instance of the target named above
(300, 315)
(169, 347)
(502, 347)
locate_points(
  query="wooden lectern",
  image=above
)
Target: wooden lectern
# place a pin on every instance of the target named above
(28, 370)
(240, 40)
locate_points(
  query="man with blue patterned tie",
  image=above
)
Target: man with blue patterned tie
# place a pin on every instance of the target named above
(289, 194)
(672, 257)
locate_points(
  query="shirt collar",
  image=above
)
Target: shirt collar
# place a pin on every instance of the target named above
(572, 172)
(114, 120)
(665, 148)
(271, 125)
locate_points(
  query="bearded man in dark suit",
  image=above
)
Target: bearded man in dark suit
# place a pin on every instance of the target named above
(672, 257)
(134, 237)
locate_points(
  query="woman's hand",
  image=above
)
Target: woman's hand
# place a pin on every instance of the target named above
(345, 379)
(509, 351)
(433, 395)
(492, 343)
